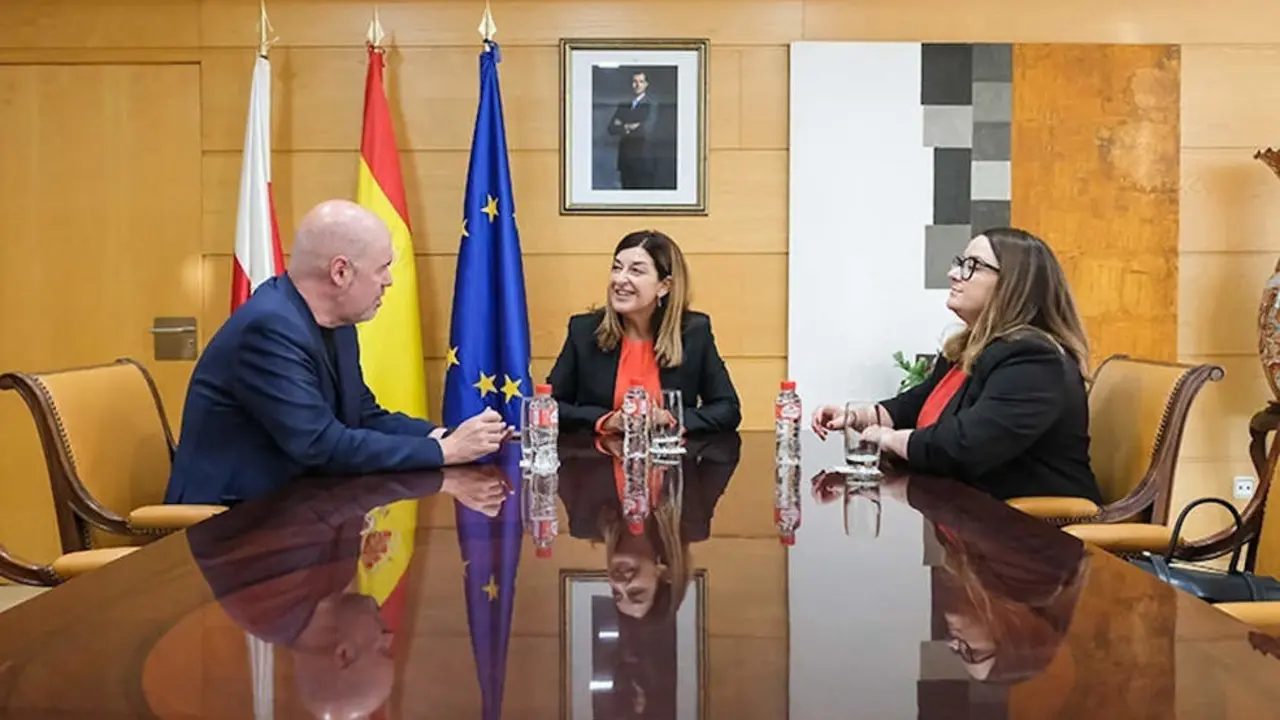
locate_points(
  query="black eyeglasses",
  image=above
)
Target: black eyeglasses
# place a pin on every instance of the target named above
(970, 656)
(968, 265)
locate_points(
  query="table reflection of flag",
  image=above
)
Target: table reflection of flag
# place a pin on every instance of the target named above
(490, 558)
(488, 366)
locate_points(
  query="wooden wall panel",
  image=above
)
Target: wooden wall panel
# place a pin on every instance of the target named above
(520, 22)
(748, 189)
(1218, 302)
(1230, 202)
(1225, 96)
(117, 24)
(1086, 21)
(1095, 173)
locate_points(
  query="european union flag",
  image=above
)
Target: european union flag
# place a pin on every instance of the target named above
(488, 360)
(488, 365)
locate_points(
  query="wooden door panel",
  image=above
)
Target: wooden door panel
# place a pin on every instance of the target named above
(99, 234)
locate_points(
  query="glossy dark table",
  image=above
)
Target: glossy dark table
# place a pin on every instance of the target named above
(917, 599)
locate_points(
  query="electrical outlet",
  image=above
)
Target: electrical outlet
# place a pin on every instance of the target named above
(1244, 487)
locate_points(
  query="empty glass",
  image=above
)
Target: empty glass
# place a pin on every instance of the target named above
(861, 457)
(666, 423)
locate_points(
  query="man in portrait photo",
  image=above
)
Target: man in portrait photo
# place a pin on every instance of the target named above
(633, 124)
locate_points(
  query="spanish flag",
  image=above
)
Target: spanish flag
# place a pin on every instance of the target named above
(391, 343)
(390, 348)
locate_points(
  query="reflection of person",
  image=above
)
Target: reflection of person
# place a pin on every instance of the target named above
(649, 570)
(645, 331)
(279, 392)
(285, 570)
(1005, 407)
(1007, 589)
(633, 123)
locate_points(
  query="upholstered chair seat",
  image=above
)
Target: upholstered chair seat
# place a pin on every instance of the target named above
(109, 449)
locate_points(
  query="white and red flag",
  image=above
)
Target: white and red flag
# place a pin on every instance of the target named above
(259, 254)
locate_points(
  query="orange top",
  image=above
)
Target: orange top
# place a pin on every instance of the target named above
(637, 360)
(942, 393)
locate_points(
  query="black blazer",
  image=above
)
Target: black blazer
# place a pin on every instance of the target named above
(584, 375)
(1017, 427)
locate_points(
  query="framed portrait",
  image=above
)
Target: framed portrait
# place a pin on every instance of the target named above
(633, 120)
(613, 664)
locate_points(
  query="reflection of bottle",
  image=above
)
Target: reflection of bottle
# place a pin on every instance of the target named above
(786, 502)
(635, 493)
(538, 510)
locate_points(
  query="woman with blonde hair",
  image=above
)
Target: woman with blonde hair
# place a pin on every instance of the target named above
(645, 333)
(1005, 408)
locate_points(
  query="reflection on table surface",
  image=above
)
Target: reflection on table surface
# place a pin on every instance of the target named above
(711, 585)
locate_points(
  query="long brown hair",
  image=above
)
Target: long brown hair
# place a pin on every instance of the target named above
(668, 261)
(1031, 295)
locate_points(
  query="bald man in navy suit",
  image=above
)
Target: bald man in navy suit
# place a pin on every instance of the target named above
(278, 391)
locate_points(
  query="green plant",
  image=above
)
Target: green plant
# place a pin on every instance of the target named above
(915, 372)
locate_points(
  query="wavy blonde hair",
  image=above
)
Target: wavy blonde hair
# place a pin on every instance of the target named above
(1031, 295)
(668, 261)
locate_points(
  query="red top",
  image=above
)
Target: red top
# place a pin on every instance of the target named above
(638, 360)
(941, 395)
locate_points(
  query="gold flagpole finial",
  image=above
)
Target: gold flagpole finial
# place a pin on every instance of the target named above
(376, 34)
(487, 27)
(264, 30)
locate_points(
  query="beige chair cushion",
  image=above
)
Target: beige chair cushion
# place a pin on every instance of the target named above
(171, 517)
(79, 563)
(1126, 538)
(1047, 508)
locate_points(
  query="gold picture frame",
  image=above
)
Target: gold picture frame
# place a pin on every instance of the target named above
(633, 127)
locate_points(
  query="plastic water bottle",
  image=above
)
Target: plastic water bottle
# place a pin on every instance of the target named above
(635, 420)
(787, 416)
(541, 434)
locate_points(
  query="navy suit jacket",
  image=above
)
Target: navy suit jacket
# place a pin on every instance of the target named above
(265, 405)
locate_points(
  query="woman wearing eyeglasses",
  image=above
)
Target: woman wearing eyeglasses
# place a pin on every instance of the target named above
(1005, 408)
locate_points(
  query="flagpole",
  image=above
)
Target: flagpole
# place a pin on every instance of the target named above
(487, 28)
(264, 30)
(375, 34)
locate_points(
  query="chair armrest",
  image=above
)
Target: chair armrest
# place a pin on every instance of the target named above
(1263, 615)
(171, 517)
(79, 563)
(1047, 508)
(1125, 538)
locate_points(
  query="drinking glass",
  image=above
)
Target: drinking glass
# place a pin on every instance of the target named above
(666, 423)
(861, 457)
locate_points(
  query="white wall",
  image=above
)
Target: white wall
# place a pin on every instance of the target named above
(861, 197)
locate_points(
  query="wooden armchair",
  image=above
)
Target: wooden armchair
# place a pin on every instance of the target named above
(1137, 412)
(109, 449)
(63, 568)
